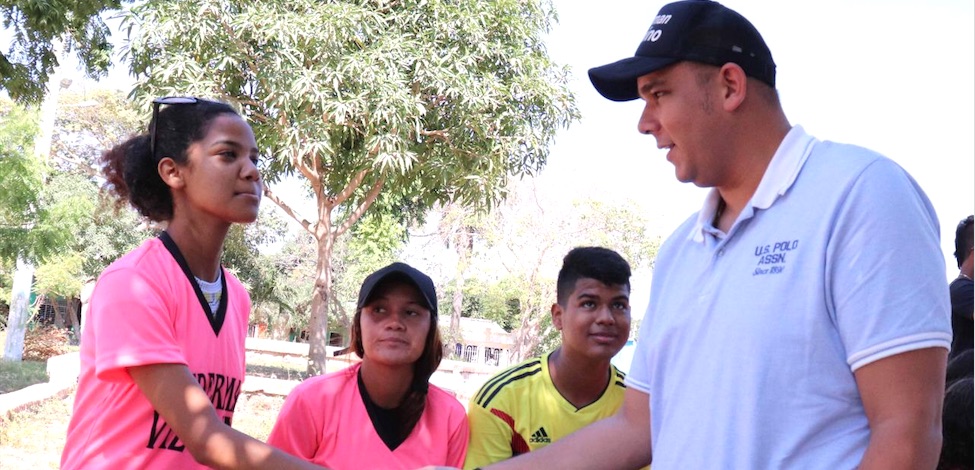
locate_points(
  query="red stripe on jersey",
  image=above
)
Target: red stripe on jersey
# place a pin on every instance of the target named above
(518, 444)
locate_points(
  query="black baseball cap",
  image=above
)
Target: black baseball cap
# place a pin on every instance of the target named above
(406, 272)
(696, 30)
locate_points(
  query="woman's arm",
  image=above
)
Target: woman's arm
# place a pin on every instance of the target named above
(179, 399)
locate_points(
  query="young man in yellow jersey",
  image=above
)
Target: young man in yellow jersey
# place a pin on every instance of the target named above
(538, 401)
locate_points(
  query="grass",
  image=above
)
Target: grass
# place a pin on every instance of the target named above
(15, 375)
(262, 365)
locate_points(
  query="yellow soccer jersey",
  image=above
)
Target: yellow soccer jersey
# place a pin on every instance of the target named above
(519, 410)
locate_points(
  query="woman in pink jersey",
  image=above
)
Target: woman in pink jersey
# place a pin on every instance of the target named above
(162, 352)
(381, 413)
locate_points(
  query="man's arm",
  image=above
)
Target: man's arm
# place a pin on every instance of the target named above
(617, 442)
(902, 396)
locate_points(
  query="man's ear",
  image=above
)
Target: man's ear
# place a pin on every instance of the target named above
(734, 84)
(557, 316)
(171, 173)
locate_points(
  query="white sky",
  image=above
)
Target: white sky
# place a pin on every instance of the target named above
(895, 76)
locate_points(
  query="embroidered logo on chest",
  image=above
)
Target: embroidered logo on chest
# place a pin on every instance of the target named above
(773, 258)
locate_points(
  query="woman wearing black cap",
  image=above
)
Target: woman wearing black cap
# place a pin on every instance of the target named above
(382, 412)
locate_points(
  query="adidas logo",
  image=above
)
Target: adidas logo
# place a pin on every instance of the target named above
(540, 436)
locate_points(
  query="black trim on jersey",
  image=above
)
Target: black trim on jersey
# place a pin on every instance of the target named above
(621, 376)
(516, 378)
(388, 423)
(503, 375)
(215, 319)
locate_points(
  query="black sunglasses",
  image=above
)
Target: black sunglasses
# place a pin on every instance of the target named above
(155, 116)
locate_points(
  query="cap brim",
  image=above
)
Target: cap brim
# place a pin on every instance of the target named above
(617, 81)
(419, 280)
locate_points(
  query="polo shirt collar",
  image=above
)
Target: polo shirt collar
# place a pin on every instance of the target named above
(781, 173)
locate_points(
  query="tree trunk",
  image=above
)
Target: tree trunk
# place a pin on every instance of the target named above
(318, 317)
(463, 249)
(24, 277)
(74, 306)
(86, 292)
(19, 311)
(454, 335)
(458, 303)
(58, 313)
(533, 309)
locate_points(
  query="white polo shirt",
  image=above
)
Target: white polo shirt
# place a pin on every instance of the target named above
(750, 340)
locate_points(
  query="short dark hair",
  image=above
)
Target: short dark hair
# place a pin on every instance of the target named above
(591, 262)
(130, 169)
(963, 239)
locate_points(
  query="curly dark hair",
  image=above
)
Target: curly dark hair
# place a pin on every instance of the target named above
(130, 168)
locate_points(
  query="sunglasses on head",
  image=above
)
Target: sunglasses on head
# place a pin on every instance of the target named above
(156, 103)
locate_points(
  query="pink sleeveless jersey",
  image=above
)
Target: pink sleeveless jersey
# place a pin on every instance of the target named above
(325, 421)
(144, 310)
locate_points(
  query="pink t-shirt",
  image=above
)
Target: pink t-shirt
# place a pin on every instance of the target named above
(324, 421)
(144, 310)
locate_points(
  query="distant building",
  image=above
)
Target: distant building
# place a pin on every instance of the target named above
(481, 342)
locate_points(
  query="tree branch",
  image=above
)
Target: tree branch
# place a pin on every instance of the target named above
(357, 213)
(288, 210)
(441, 135)
(79, 164)
(312, 175)
(350, 188)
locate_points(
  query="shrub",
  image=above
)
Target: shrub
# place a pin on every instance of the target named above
(40, 344)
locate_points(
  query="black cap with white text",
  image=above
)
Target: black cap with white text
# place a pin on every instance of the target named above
(694, 30)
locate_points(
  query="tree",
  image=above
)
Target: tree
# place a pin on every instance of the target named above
(38, 29)
(389, 106)
(457, 228)
(21, 177)
(89, 123)
(260, 274)
(86, 125)
(31, 229)
(371, 244)
(296, 263)
(97, 231)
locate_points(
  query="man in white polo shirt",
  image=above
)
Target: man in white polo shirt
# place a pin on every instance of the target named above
(800, 318)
